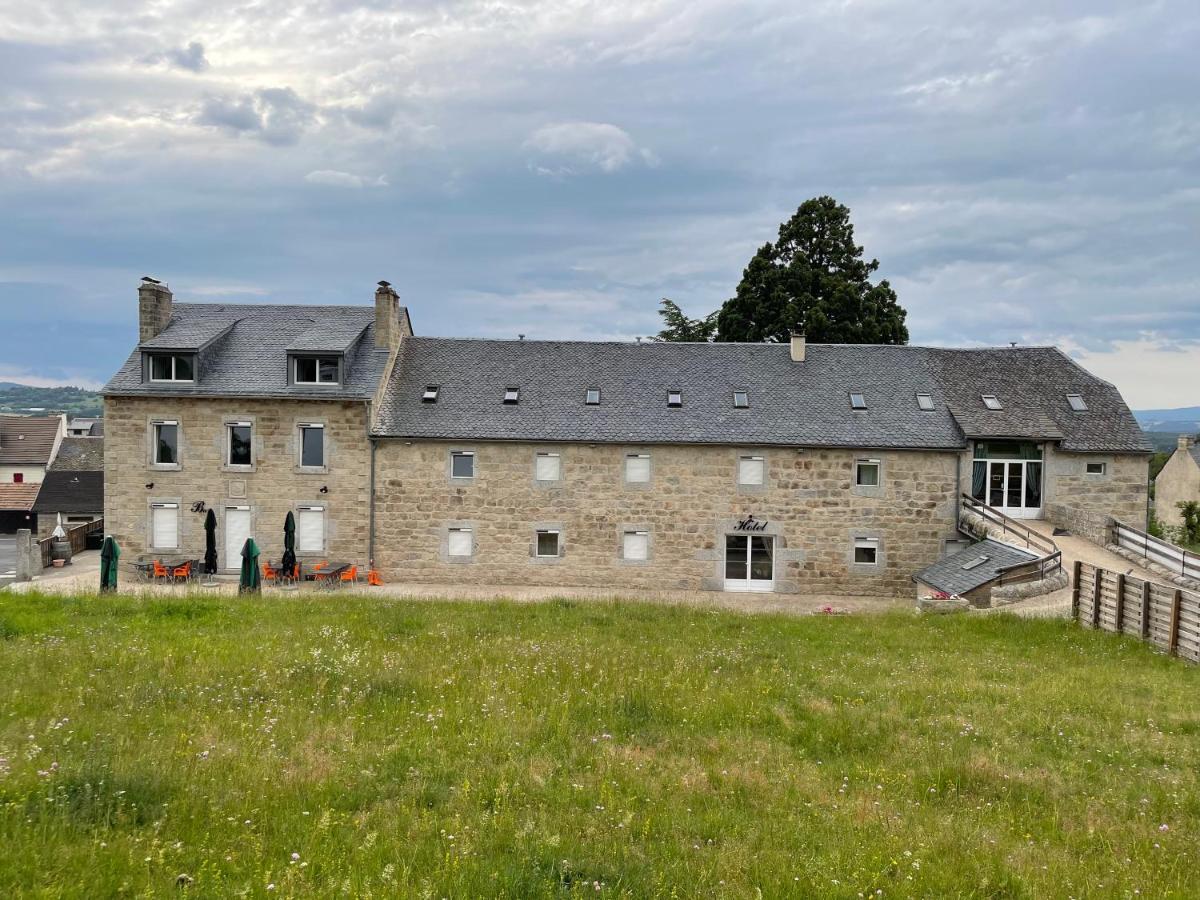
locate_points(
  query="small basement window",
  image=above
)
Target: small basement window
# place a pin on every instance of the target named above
(674, 398)
(592, 398)
(975, 563)
(858, 401)
(172, 367)
(512, 395)
(866, 551)
(430, 394)
(547, 542)
(316, 370)
(925, 402)
(1097, 468)
(866, 472)
(462, 464)
(991, 401)
(1077, 402)
(741, 400)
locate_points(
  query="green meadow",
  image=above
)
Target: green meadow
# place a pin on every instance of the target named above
(358, 747)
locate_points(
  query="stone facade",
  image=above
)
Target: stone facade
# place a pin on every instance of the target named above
(1083, 503)
(1178, 482)
(273, 486)
(809, 504)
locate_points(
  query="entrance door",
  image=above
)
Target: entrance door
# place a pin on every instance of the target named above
(1010, 487)
(237, 532)
(749, 562)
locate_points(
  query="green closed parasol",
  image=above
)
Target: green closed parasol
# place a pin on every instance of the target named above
(251, 580)
(109, 554)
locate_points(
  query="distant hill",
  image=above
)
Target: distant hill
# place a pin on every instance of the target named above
(1183, 420)
(26, 400)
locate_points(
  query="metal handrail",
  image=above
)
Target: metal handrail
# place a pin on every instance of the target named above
(1165, 549)
(1044, 566)
(1031, 538)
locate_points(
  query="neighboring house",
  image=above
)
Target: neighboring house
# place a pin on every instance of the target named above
(73, 490)
(85, 427)
(1178, 482)
(28, 444)
(818, 469)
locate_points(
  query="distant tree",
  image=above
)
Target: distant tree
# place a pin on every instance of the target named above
(679, 328)
(813, 279)
(1189, 511)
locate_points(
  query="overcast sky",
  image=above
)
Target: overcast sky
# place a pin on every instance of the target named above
(1024, 171)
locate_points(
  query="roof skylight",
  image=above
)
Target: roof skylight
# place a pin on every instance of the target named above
(512, 394)
(431, 393)
(858, 401)
(674, 398)
(1077, 402)
(592, 398)
(925, 401)
(991, 401)
(975, 563)
(741, 400)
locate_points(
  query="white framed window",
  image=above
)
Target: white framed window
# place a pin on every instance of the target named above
(310, 529)
(459, 542)
(866, 551)
(316, 370)
(1097, 468)
(547, 467)
(164, 526)
(866, 472)
(592, 397)
(239, 443)
(674, 398)
(635, 545)
(991, 401)
(858, 401)
(166, 443)
(312, 445)
(752, 470)
(462, 464)
(637, 468)
(1077, 402)
(741, 400)
(925, 402)
(548, 542)
(172, 367)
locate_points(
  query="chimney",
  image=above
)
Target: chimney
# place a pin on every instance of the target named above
(1184, 442)
(387, 316)
(797, 346)
(154, 308)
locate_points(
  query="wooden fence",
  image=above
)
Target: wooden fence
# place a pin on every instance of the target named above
(77, 536)
(1164, 616)
(1156, 550)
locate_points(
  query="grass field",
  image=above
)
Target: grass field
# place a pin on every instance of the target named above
(367, 748)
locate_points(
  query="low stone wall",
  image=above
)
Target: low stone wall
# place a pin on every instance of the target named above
(1011, 593)
(1167, 575)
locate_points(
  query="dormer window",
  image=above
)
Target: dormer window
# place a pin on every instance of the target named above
(317, 370)
(741, 400)
(172, 367)
(858, 401)
(991, 401)
(430, 394)
(512, 395)
(1077, 402)
(674, 398)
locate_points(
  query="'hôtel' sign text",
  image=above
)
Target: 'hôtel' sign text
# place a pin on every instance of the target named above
(751, 524)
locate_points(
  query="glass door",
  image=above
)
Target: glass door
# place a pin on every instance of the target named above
(749, 562)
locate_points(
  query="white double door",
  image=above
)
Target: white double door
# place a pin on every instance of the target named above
(1009, 488)
(749, 562)
(238, 522)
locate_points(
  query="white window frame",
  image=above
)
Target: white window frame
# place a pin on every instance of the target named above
(301, 427)
(155, 425)
(744, 458)
(1088, 466)
(925, 402)
(470, 537)
(229, 426)
(462, 454)
(992, 402)
(174, 357)
(154, 506)
(311, 508)
(638, 456)
(537, 466)
(645, 544)
(537, 543)
(337, 363)
(865, 543)
(866, 463)
(1077, 403)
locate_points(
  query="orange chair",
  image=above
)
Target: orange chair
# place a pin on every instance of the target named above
(350, 575)
(269, 573)
(161, 571)
(373, 579)
(182, 573)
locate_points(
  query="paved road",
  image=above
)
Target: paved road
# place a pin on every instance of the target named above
(8, 558)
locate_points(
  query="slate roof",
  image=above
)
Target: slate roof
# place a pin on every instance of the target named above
(948, 574)
(79, 454)
(18, 496)
(248, 357)
(805, 403)
(28, 439)
(71, 492)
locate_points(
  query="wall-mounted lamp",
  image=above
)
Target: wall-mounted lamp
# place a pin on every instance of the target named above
(150, 486)
(324, 489)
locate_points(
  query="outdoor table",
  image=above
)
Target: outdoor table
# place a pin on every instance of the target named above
(331, 576)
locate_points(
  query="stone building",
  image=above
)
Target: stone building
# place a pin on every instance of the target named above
(1178, 482)
(807, 469)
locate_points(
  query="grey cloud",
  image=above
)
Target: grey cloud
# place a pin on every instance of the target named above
(190, 57)
(275, 115)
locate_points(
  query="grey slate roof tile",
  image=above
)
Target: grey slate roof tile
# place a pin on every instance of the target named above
(79, 454)
(71, 492)
(249, 356)
(948, 574)
(791, 403)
